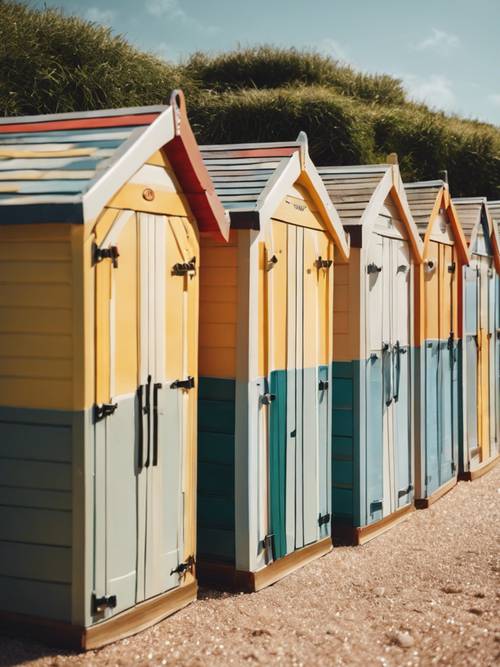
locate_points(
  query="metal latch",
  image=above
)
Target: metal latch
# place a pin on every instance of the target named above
(323, 518)
(266, 399)
(183, 268)
(323, 263)
(188, 383)
(271, 262)
(451, 339)
(452, 267)
(322, 385)
(268, 546)
(373, 268)
(104, 410)
(101, 604)
(184, 567)
(405, 492)
(106, 253)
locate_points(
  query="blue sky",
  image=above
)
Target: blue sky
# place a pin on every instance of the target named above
(447, 52)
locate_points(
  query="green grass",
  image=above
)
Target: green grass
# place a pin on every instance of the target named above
(51, 62)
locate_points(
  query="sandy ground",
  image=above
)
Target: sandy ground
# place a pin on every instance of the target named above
(425, 593)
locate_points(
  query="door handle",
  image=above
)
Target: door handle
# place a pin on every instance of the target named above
(387, 371)
(156, 387)
(398, 350)
(147, 411)
(143, 397)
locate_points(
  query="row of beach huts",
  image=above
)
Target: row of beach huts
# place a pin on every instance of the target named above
(215, 358)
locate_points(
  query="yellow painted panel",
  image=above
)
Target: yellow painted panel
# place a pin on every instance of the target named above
(276, 279)
(43, 251)
(131, 196)
(36, 295)
(446, 287)
(102, 331)
(46, 394)
(29, 233)
(21, 367)
(35, 272)
(220, 256)
(431, 292)
(218, 312)
(296, 212)
(311, 302)
(85, 367)
(218, 335)
(104, 224)
(70, 152)
(35, 320)
(218, 277)
(346, 309)
(36, 345)
(220, 294)
(325, 314)
(262, 329)
(217, 362)
(125, 292)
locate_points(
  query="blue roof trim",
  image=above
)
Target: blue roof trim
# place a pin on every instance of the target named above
(35, 214)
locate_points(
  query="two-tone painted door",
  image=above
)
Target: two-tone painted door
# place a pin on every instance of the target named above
(146, 310)
(299, 290)
(388, 480)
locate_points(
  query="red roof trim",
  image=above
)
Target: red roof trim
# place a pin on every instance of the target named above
(80, 123)
(252, 152)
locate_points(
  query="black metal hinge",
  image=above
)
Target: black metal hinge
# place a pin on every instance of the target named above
(405, 492)
(322, 385)
(102, 603)
(271, 262)
(184, 567)
(323, 263)
(452, 267)
(183, 268)
(188, 383)
(106, 253)
(104, 410)
(267, 399)
(269, 548)
(324, 518)
(373, 268)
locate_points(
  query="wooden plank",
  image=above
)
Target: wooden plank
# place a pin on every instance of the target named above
(47, 600)
(35, 441)
(41, 499)
(36, 526)
(35, 474)
(33, 561)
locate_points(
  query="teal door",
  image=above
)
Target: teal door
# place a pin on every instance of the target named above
(471, 288)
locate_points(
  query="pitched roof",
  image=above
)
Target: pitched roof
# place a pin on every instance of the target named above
(66, 167)
(422, 197)
(252, 179)
(469, 210)
(359, 192)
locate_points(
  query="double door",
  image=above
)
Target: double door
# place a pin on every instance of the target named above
(481, 396)
(298, 337)
(388, 369)
(441, 366)
(146, 324)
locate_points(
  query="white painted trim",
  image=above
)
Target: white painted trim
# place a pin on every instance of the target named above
(116, 229)
(76, 115)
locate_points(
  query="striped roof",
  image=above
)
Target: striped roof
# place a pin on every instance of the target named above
(54, 159)
(422, 197)
(241, 172)
(66, 167)
(351, 188)
(469, 210)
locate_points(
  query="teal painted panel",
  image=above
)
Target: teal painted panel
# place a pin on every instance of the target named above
(35, 441)
(34, 561)
(216, 389)
(216, 512)
(342, 369)
(277, 461)
(216, 416)
(431, 417)
(35, 474)
(36, 598)
(216, 480)
(374, 440)
(446, 364)
(216, 448)
(41, 499)
(343, 504)
(217, 544)
(342, 473)
(342, 394)
(342, 422)
(342, 449)
(36, 526)
(402, 432)
(325, 448)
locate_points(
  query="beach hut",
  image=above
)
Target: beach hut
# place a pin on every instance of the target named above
(494, 209)
(265, 367)
(479, 450)
(373, 364)
(100, 215)
(437, 339)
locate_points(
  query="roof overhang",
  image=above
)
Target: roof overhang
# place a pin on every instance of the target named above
(444, 202)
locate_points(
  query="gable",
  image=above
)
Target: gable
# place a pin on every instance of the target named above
(482, 241)
(388, 222)
(441, 230)
(298, 208)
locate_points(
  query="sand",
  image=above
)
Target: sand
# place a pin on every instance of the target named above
(425, 593)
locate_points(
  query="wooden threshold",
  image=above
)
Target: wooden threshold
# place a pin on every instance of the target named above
(479, 470)
(352, 535)
(424, 503)
(129, 622)
(226, 577)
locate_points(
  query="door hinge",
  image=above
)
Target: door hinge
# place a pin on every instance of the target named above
(269, 548)
(405, 492)
(375, 506)
(104, 410)
(271, 262)
(188, 383)
(373, 268)
(323, 385)
(452, 267)
(102, 603)
(324, 518)
(186, 566)
(323, 263)
(267, 399)
(106, 253)
(451, 340)
(183, 268)
(453, 466)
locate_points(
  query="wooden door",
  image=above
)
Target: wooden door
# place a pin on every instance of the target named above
(483, 360)
(471, 344)
(377, 381)
(401, 394)
(492, 354)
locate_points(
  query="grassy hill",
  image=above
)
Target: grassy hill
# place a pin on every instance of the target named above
(51, 62)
